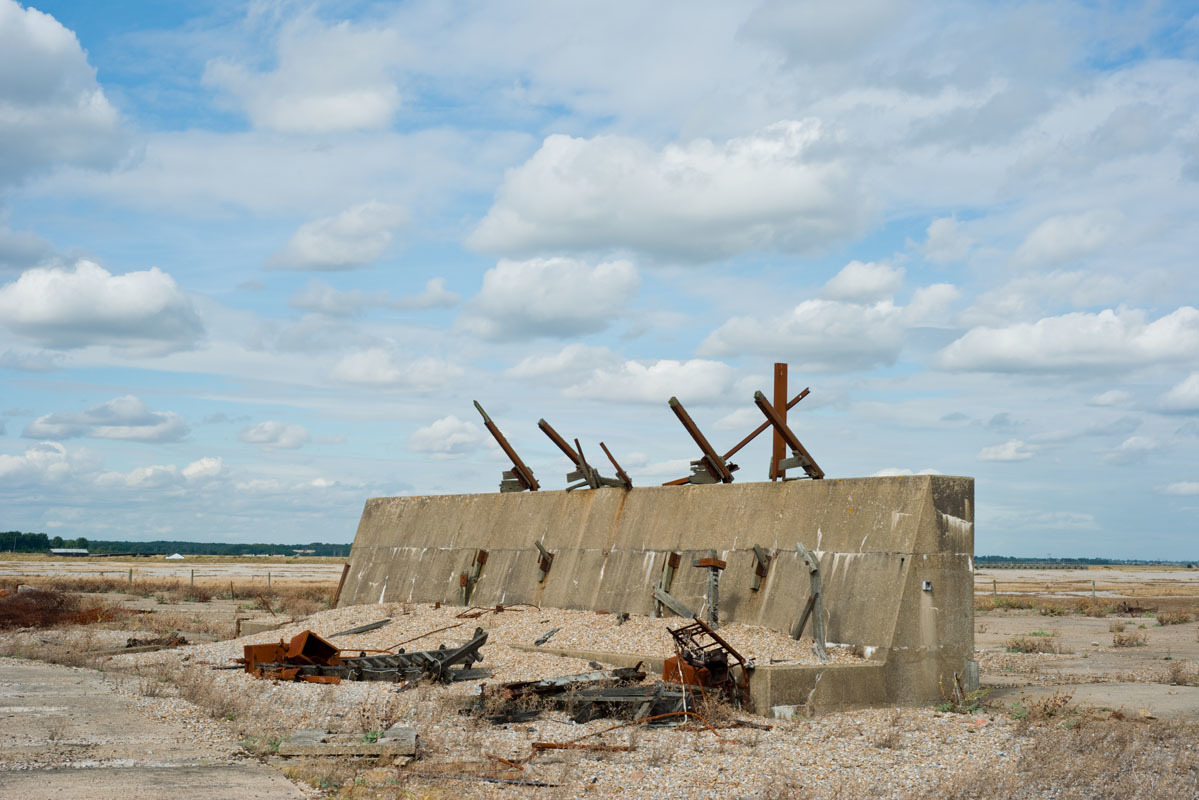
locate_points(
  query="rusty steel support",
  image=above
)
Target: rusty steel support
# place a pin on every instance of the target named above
(711, 468)
(520, 477)
(336, 595)
(620, 473)
(544, 562)
(779, 447)
(713, 565)
(800, 456)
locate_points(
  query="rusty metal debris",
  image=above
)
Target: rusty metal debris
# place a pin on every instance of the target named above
(706, 660)
(586, 475)
(308, 657)
(549, 687)
(370, 626)
(175, 639)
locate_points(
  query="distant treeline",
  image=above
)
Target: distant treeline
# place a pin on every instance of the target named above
(1070, 562)
(18, 542)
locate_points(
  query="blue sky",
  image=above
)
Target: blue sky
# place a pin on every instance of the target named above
(257, 259)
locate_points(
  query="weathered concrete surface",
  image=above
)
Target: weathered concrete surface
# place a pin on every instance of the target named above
(878, 540)
(64, 733)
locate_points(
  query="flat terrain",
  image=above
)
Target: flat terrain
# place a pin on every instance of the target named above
(206, 570)
(1079, 699)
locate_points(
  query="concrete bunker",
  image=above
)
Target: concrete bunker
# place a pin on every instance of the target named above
(895, 554)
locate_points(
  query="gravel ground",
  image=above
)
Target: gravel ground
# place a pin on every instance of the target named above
(888, 752)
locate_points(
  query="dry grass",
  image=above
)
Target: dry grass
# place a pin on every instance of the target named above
(47, 608)
(1173, 617)
(1035, 642)
(1130, 639)
(1181, 673)
(1117, 626)
(1112, 758)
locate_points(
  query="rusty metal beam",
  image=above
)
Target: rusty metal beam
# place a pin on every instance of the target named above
(790, 404)
(802, 456)
(521, 473)
(620, 473)
(779, 449)
(714, 463)
(569, 451)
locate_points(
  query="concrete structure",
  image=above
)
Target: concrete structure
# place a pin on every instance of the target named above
(896, 558)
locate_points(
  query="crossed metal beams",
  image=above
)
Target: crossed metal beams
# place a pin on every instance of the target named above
(710, 467)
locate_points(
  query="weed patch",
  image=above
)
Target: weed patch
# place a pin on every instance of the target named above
(1130, 639)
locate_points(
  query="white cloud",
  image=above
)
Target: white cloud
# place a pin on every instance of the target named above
(777, 189)
(204, 469)
(1112, 397)
(157, 476)
(864, 283)
(355, 238)
(1031, 296)
(816, 32)
(1132, 450)
(1109, 339)
(1013, 450)
(326, 79)
(816, 336)
(1183, 396)
(448, 437)
(695, 381)
(322, 298)
(553, 297)
(139, 313)
(930, 305)
(52, 110)
(275, 435)
(44, 462)
(891, 472)
(124, 418)
(742, 419)
(1067, 238)
(382, 368)
(566, 364)
(946, 242)
(1183, 488)
(27, 361)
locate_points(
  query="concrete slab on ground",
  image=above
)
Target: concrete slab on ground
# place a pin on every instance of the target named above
(64, 732)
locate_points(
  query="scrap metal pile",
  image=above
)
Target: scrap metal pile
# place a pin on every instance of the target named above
(705, 665)
(710, 467)
(308, 657)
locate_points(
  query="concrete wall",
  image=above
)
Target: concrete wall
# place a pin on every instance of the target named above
(877, 540)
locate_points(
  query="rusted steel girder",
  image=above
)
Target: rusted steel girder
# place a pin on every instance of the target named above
(800, 456)
(520, 477)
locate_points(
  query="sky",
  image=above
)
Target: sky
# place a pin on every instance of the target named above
(257, 259)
